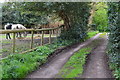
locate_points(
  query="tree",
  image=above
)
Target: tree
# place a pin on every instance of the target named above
(100, 18)
(11, 13)
(75, 15)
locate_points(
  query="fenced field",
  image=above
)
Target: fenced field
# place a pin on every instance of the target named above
(28, 43)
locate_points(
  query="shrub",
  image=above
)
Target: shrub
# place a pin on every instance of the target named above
(114, 37)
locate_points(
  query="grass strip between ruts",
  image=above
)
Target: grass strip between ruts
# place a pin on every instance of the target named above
(74, 67)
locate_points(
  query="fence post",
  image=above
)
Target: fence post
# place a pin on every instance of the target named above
(42, 38)
(63, 28)
(50, 37)
(13, 42)
(52, 32)
(31, 45)
(58, 31)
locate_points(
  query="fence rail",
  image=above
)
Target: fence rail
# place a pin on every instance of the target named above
(25, 30)
(58, 29)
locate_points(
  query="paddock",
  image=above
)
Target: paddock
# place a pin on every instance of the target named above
(26, 44)
(22, 44)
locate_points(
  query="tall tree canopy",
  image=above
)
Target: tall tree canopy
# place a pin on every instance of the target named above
(75, 15)
(100, 19)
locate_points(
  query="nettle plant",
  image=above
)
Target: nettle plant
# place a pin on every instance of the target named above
(114, 36)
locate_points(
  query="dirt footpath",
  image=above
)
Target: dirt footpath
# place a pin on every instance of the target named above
(52, 68)
(97, 64)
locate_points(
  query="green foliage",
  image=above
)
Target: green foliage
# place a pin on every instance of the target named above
(74, 33)
(62, 42)
(19, 65)
(117, 73)
(91, 34)
(12, 12)
(74, 67)
(103, 35)
(78, 21)
(44, 50)
(100, 18)
(75, 15)
(0, 71)
(114, 37)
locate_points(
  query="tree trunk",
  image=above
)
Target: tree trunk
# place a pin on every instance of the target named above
(92, 12)
(66, 19)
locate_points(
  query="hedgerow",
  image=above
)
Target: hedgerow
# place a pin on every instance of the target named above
(114, 37)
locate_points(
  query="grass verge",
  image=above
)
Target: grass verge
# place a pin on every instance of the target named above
(91, 34)
(103, 35)
(0, 71)
(19, 65)
(74, 67)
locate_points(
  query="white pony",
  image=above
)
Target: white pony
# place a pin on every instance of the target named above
(13, 27)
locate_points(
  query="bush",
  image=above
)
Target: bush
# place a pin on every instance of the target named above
(19, 65)
(114, 37)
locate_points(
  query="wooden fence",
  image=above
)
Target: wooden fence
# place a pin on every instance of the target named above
(58, 29)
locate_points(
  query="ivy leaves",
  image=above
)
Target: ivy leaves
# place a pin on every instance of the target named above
(114, 37)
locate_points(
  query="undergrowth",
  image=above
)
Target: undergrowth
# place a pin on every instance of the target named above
(19, 65)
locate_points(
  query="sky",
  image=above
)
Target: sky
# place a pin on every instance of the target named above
(1, 1)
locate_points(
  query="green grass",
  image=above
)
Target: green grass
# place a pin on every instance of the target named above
(19, 65)
(5, 41)
(103, 35)
(29, 35)
(91, 34)
(2, 36)
(74, 67)
(0, 71)
(4, 50)
(45, 35)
